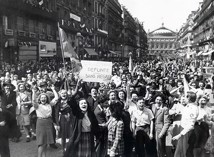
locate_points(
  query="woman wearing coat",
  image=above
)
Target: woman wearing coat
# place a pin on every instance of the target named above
(84, 129)
(8, 103)
(63, 115)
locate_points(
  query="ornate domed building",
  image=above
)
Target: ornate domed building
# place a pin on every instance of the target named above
(162, 42)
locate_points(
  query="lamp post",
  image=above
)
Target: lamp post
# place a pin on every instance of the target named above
(79, 42)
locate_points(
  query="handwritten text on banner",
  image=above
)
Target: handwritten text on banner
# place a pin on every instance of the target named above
(96, 71)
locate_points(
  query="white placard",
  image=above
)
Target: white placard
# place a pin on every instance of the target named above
(96, 71)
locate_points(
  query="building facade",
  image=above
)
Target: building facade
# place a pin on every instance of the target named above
(185, 38)
(162, 41)
(203, 29)
(95, 28)
(27, 28)
(100, 27)
(76, 19)
(115, 28)
(142, 44)
(130, 33)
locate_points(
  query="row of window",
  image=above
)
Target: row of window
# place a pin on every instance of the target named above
(30, 25)
(208, 23)
(161, 46)
(99, 8)
(161, 40)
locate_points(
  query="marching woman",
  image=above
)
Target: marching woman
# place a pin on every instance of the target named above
(84, 129)
(62, 116)
(63, 113)
(23, 100)
(44, 125)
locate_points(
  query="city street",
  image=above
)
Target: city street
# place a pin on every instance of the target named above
(29, 149)
(127, 78)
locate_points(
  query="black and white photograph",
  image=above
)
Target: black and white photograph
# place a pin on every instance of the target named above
(106, 78)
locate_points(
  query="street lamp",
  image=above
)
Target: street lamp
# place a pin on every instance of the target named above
(79, 42)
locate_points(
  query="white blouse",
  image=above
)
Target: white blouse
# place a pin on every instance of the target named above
(44, 111)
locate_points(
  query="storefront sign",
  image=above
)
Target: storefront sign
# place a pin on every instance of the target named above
(47, 49)
(96, 71)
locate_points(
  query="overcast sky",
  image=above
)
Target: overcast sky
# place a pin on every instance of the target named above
(153, 12)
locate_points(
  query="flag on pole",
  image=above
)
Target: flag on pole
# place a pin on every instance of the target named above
(68, 51)
(130, 64)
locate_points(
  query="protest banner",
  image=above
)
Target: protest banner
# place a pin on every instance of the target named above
(96, 71)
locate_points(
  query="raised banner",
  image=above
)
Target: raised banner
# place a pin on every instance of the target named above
(96, 71)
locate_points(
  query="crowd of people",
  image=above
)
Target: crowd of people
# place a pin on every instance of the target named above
(129, 116)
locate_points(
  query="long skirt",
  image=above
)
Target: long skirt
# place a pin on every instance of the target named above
(44, 131)
(85, 146)
(65, 127)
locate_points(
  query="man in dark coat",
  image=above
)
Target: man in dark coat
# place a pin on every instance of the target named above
(6, 125)
(8, 99)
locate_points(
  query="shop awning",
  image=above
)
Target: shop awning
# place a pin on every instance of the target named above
(91, 51)
(208, 53)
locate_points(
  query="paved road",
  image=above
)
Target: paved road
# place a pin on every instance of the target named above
(29, 149)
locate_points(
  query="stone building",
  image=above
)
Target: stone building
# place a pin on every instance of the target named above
(162, 41)
(27, 28)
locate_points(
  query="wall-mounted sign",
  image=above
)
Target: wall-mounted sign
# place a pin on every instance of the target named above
(47, 49)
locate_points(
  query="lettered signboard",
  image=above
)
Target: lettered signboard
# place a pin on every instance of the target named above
(96, 71)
